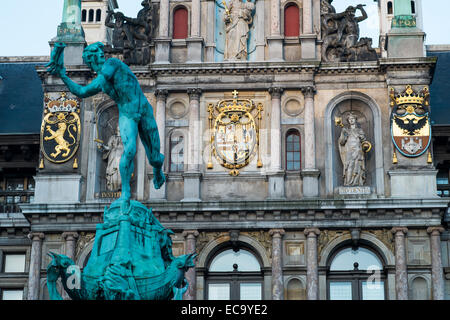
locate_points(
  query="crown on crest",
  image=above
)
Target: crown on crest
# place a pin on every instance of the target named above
(410, 97)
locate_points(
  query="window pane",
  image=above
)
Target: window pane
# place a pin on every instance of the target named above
(225, 260)
(251, 291)
(14, 263)
(340, 291)
(219, 291)
(346, 258)
(373, 290)
(12, 295)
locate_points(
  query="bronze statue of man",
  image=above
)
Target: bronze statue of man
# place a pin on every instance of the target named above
(135, 112)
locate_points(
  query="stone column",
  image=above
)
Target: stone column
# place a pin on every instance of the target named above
(195, 42)
(401, 272)
(70, 239)
(276, 175)
(312, 269)
(191, 276)
(35, 265)
(437, 273)
(160, 117)
(277, 264)
(308, 37)
(162, 54)
(192, 176)
(275, 40)
(310, 173)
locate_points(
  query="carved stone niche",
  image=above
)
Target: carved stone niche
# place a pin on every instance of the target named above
(364, 183)
(105, 132)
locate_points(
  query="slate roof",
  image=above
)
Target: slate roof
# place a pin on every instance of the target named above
(21, 98)
(440, 89)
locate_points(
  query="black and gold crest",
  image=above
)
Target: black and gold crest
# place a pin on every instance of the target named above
(410, 121)
(235, 125)
(61, 129)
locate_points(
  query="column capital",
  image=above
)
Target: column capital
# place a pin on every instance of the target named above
(435, 231)
(311, 232)
(36, 236)
(274, 233)
(194, 93)
(399, 231)
(190, 234)
(308, 92)
(276, 92)
(161, 94)
(70, 236)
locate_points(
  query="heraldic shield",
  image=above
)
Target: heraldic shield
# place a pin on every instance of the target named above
(410, 121)
(61, 129)
(235, 132)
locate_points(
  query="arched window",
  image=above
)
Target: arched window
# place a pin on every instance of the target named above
(83, 15)
(180, 23)
(291, 20)
(413, 7)
(176, 153)
(98, 15)
(293, 150)
(390, 8)
(91, 15)
(356, 274)
(295, 290)
(234, 274)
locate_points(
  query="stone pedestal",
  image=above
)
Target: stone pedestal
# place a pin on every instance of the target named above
(57, 188)
(310, 183)
(308, 45)
(35, 265)
(192, 187)
(162, 51)
(405, 43)
(312, 270)
(275, 44)
(73, 53)
(277, 264)
(195, 50)
(191, 277)
(413, 183)
(276, 186)
(401, 273)
(437, 273)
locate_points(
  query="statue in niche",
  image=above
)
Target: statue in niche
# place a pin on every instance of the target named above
(238, 18)
(340, 34)
(131, 36)
(352, 146)
(113, 150)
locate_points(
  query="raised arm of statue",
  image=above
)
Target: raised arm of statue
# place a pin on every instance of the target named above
(108, 21)
(363, 12)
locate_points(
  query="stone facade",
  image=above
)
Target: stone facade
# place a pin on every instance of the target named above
(294, 222)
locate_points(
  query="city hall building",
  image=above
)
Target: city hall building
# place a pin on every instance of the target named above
(301, 162)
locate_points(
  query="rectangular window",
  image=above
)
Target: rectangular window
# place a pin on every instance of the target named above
(219, 291)
(14, 263)
(12, 294)
(373, 290)
(341, 291)
(250, 291)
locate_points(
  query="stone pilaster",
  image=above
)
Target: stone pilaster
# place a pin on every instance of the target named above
(70, 239)
(401, 272)
(195, 42)
(35, 265)
(312, 268)
(308, 37)
(193, 175)
(275, 40)
(191, 276)
(162, 43)
(277, 264)
(310, 173)
(437, 273)
(276, 175)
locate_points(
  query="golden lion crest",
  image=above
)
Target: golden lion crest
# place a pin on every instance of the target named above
(61, 129)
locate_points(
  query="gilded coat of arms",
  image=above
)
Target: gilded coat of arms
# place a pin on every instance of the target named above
(235, 125)
(410, 121)
(61, 129)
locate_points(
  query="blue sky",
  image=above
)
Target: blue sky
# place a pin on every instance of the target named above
(26, 26)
